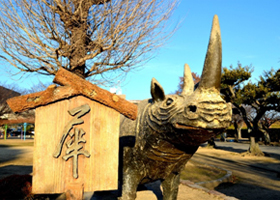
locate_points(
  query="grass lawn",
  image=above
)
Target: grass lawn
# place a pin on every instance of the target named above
(198, 172)
(16, 142)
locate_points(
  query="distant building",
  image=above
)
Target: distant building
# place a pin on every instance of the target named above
(6, 93)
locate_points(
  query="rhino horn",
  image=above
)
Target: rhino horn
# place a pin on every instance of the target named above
(188, 81)
(211, 75)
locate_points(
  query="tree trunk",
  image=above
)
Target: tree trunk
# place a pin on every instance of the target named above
(79, 51)
(264, 129)
(239, 132)
(266, 137)
(254, 148)
(238, 127)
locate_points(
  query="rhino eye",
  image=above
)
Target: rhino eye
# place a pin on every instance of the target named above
(169, 101)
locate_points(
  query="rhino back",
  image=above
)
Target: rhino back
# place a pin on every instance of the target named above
(128, 126)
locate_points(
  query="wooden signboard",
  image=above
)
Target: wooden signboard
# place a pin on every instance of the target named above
(93, 162)
(76, 136)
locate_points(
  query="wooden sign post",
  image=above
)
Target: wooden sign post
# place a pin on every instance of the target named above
(76, 136)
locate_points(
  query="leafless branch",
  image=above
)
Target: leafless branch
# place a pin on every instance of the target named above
(87, 37)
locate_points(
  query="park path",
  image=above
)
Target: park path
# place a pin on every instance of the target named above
(255, 177)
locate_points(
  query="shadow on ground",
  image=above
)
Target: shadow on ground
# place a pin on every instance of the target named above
(14, 169)
(240, 150)
(246, 191)
(113, 195)
(255, 177)
(8, 154)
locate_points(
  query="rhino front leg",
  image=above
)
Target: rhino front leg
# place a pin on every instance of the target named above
(170, 186)
(129, 186)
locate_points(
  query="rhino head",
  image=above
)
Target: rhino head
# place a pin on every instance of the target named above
(194, 116)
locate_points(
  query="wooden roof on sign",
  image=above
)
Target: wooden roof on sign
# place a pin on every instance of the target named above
(17, 121)
(72, 85)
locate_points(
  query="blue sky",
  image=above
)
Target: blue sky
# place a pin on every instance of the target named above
(250, 32)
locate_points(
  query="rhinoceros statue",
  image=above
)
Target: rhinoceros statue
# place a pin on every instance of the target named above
(169, 128)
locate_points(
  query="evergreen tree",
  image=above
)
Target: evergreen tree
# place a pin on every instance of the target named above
(262, 97)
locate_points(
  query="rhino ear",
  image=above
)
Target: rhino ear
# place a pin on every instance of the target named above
(157, 91)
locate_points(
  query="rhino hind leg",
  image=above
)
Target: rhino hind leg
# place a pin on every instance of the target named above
(170, 186)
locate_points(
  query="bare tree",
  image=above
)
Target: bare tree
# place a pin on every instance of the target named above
(37, 87)
(196, 79)
(87, 37)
